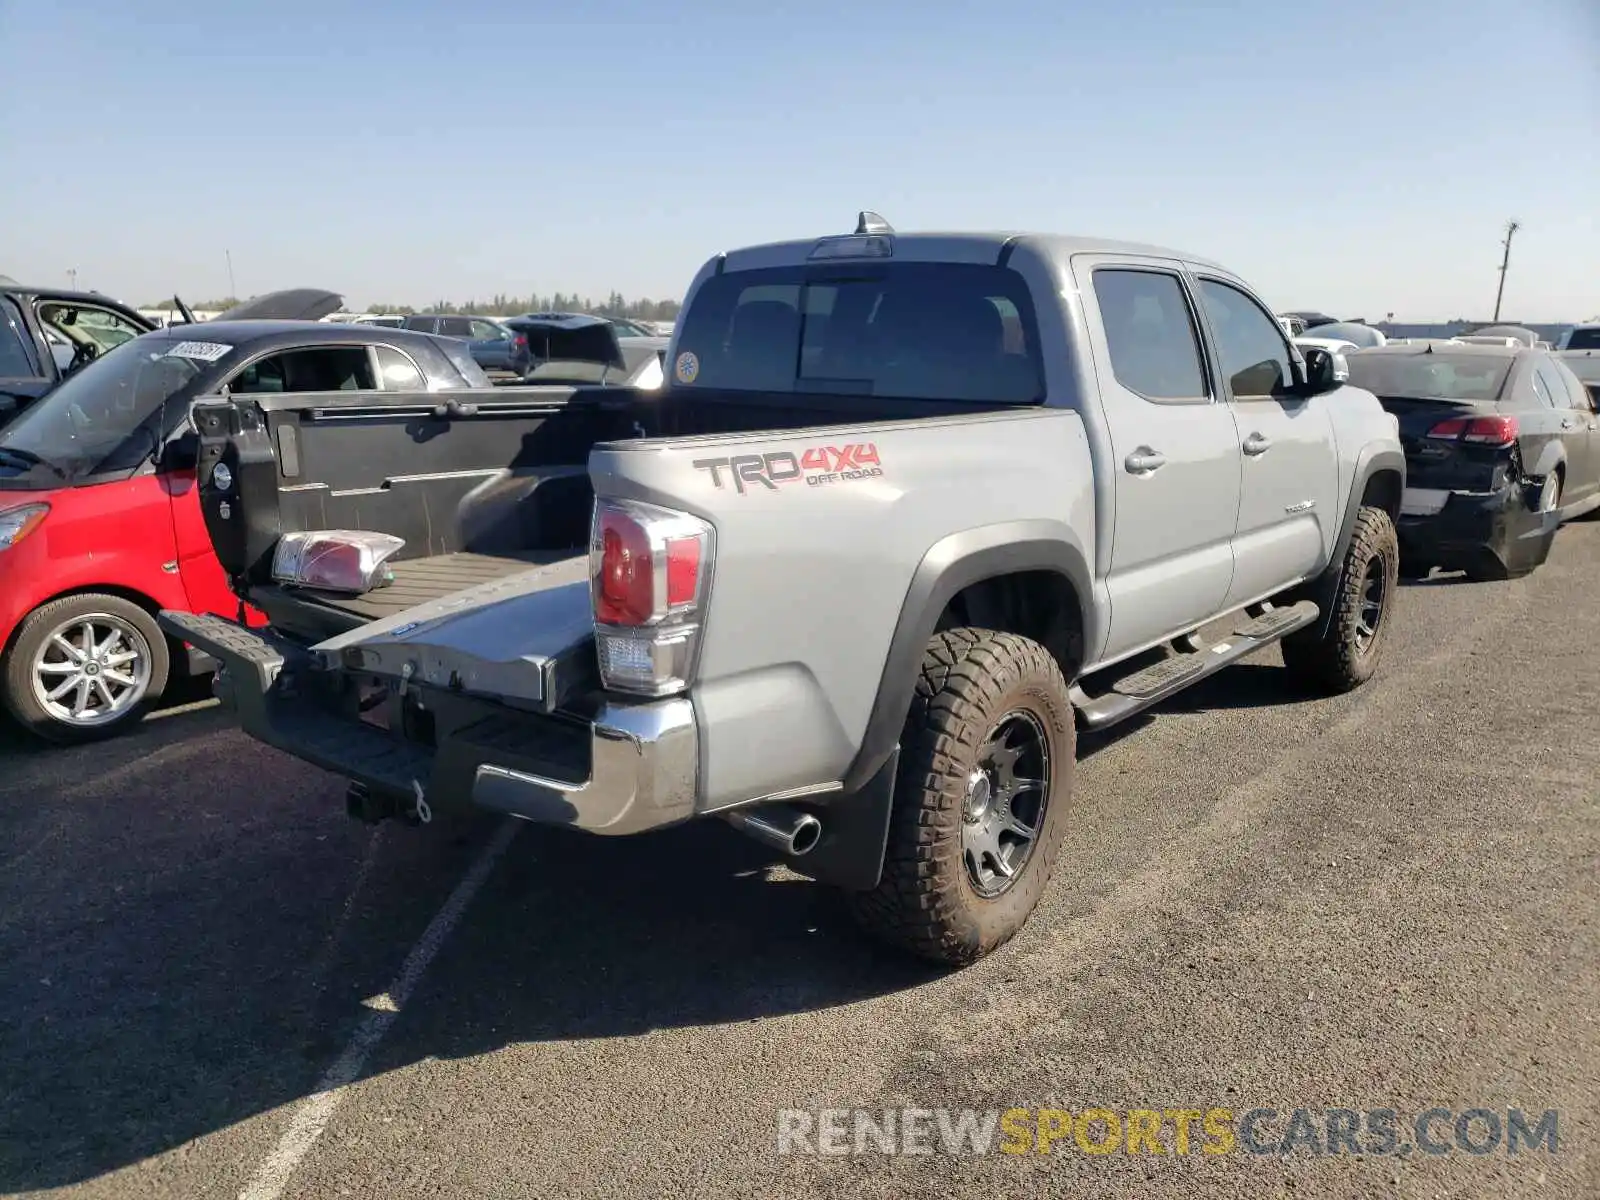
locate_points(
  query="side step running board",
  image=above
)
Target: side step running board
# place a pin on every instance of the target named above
(1136, 692)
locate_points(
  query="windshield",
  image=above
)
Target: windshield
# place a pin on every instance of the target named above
(110, 416)
(931, 331)
(1431, 376)
(1583, 339)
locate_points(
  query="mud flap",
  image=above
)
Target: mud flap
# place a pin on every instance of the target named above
(855, 834)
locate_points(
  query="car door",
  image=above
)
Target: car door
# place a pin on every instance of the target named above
(491, 345)
(1580, 431)
(1289, 488)
(1174, 453)
(23, 377)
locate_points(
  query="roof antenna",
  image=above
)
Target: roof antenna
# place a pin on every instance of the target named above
(868, 221)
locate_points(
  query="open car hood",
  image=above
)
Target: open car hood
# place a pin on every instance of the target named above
(293, 304)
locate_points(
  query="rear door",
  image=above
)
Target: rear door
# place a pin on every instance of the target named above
(1580, 430)
(491, 344)
(1174, 451)
(1289, 492)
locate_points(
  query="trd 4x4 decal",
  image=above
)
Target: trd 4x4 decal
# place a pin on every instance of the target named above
(818, 466)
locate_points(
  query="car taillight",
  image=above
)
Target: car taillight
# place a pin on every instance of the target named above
(520, 341)
(1481, 431)
(648, 572)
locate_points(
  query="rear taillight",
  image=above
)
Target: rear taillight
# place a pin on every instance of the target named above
(520, 341)
(1480, 431)
(648, 572)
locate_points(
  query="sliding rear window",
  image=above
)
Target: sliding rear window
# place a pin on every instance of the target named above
(933, 331)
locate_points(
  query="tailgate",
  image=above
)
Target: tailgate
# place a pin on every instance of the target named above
(528, 638)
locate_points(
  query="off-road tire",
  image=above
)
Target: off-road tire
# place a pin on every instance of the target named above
(16, 671)
(1336, 661)
(925, 902)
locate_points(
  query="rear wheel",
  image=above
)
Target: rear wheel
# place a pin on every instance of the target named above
(1346, 654)
(987, 760)
(84, 667)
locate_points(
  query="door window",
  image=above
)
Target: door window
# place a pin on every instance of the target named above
(456, 327)
(16, 361)
(488, 331)
(1150, 334)
(1581, 394)
(1561, 396)
(1255, 356)
(322, 369)
(399, 373)
(84, 331)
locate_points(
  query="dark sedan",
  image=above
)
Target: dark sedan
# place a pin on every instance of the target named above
(1502, 444)
(493, 346)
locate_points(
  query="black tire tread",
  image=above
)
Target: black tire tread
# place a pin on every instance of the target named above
(919, 904)
(1330, 663)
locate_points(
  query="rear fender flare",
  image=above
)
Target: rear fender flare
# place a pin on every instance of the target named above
(950, 565)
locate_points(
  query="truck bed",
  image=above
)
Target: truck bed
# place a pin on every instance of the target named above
(416, 581)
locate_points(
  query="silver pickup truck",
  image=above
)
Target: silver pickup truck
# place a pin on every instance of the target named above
(911, 510)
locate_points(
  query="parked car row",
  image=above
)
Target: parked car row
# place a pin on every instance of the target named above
(849, 578)
(100, 527)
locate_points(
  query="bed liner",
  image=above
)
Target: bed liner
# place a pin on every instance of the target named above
(419, 580)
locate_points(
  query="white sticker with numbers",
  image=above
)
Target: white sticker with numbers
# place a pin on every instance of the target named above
(200, 351)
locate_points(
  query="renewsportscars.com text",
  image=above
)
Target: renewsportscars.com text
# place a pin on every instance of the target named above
(1173, 1131)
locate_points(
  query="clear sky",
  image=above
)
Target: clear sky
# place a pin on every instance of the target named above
(1357, 157)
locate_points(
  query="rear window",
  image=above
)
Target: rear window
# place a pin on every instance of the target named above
(934, 331)
(1583, 339)
(1430, 376)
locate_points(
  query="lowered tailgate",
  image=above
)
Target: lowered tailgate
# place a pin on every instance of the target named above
(420, 702)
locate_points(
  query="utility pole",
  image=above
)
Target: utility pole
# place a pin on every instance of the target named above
(233, 288)
(72, 278)
(1511, 232)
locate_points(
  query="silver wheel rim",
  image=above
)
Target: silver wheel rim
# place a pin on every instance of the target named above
(91, 670)
(1550, 495)
(1007, 795)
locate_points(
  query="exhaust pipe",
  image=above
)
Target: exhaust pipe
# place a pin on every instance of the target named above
(780, 826)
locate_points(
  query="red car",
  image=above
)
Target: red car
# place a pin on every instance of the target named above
(100, 526)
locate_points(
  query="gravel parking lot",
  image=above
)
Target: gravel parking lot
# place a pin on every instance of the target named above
(1387, 899)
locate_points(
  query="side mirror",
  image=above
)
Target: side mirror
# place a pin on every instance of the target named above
(1326, 370)
(182, 453)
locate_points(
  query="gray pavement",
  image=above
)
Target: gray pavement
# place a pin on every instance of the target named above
(1384, 900)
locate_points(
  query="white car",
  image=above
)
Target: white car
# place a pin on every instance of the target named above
(1332, 345)
(1582, 337)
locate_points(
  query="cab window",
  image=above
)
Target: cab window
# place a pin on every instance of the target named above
(322, 369)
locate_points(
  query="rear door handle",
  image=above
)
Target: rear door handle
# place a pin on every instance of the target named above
(1144, 460)
(1256, 444)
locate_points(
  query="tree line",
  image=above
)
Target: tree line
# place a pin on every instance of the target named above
(614, 305)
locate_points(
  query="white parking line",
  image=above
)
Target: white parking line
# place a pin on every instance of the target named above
(317, 1109)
